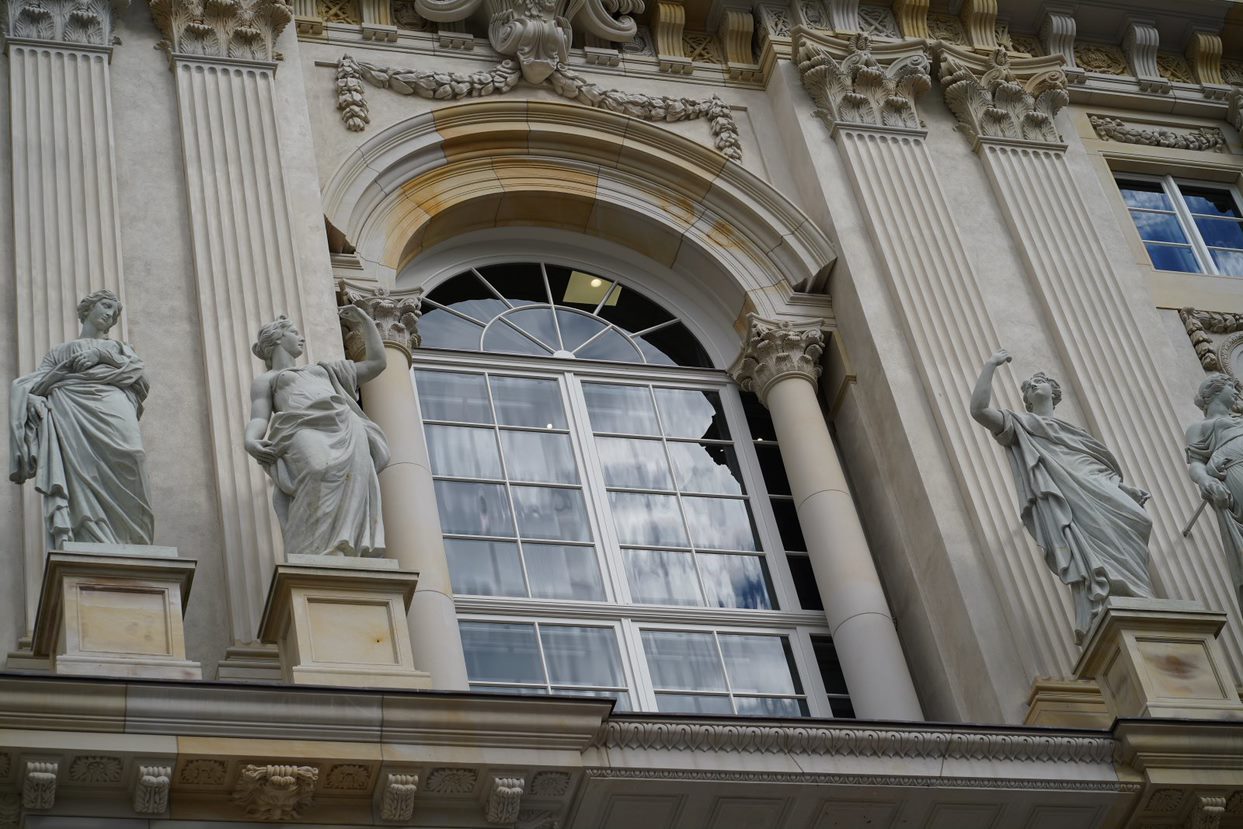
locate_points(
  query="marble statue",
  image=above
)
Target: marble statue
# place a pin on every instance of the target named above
(1090, 525)
(1215, 463)
(73, 427)
(308, 433)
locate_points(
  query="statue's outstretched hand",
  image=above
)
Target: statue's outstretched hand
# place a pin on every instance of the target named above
(1000, 358)
(352, 315)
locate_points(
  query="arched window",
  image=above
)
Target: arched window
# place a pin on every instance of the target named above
(612, 524)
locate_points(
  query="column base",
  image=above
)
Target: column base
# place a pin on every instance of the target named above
(1160, 658)
(115, 610)
(1067, 703)
(342, 621)
(250, 663)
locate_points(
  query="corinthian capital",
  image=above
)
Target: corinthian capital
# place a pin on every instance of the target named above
(222, 29)
(775, 350)
(84, 22)
(395, 313)
(855, 83)
(995, 97)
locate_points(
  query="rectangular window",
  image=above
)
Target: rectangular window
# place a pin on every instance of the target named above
(1186, 226)
(706, 672)
(542, 658)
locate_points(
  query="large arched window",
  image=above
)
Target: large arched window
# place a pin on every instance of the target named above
(615, 514)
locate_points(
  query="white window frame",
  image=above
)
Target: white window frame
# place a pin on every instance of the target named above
(1186, 220)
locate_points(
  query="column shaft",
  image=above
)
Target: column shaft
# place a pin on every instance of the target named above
(863, 633)
(412, 533)
(66, 234)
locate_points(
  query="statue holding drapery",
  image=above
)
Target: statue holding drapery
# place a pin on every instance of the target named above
(1089, 523)
(309, 434)
(73, 428)
(1215, 464)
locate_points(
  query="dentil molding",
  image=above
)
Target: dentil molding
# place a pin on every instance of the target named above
(854, 82)
(775, 350)
(994, 96)
(221, 29)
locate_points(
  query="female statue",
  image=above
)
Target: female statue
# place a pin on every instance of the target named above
(73, 427)
(322, 453)
(1090, 525)
(1215, 463)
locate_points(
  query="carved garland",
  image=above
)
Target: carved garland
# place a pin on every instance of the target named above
(1197, 323)
(1205, 139)
(504, 77)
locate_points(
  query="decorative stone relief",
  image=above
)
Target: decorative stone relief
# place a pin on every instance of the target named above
(533, 32)
(640, 44)
(151, 789)
(396, 315)
(1207, 812)
(1212, 356)
(351, 100)
(88, 22)
(1057, 36)
(1101, 58)
(1174, 67)
(1026, 45)
(1001, 32)
(6, 765)
(1232, 72)
(1140, 44)
(406, 16)
(1207, 139)
(776, 20)
(811, 13)
(224, 29)
(856, 88)
(203, 772)
(736, 33)
(912, 16)
(775, 350)
(452, 780)
(10, 810)
(1165, 801)
(1234, 112)
(550, 784)
(701, 47)
(878, 21)
(537, 819)
(275, 792)
(1204, 56)
(339, 11)
(504, 799)
(996, 102)
(668, 23)
(348, 777)
(95, 770)
(397, 801)
(979, 19)
(39, 784)
(946, 28)
(564, 81)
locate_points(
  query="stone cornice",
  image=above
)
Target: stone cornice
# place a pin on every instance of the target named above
(857, 83)
(221, 30)
(395, 313)
(67, 22)
(776, 350)
(993, 96)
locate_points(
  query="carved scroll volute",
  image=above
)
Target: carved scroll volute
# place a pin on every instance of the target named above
(535, 32)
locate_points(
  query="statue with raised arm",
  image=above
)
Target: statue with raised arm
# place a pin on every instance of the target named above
(1090, 525)
(308, 433)
(1215, 464)
(73, 427)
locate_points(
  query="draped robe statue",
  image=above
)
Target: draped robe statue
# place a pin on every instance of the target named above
(73, 427)
(1215, 464)
(312, 438)
(1090, 525)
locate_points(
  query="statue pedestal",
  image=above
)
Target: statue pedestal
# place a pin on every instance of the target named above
(1068, 703)
(1160, 658)
(342, 621)
(115, 610)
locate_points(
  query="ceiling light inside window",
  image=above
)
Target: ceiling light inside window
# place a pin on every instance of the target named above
(587, 289)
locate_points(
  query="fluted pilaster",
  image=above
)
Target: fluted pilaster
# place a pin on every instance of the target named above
(66, 232)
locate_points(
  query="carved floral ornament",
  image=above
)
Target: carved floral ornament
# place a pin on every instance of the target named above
(396, 315)
(999, 98)
(85, 22)
(224, 29)
(503, 77)
(854, 84)
(774, 351)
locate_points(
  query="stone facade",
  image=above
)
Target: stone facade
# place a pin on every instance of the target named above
(847, 205)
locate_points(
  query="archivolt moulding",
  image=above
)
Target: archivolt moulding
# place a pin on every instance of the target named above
(526, 163)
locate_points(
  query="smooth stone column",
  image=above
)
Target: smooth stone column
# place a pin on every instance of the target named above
(412, 533)
(780, 364)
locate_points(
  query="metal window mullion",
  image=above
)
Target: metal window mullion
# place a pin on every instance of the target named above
(509, 493)
(516, 327)
(456, 313)
(612, 287)
(556, 323)
(491, 288)
(1192, 232)
(608, 326)
(655, 327)
(729, 686)
(677, 494)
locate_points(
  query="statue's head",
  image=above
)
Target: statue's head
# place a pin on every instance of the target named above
(102, 308)
(1038, 386)
(1216, 386)
(279, 333)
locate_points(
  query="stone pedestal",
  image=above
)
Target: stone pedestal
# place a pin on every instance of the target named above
(1068, 703)
(1160, 658)
(342, 621)
(115, 610)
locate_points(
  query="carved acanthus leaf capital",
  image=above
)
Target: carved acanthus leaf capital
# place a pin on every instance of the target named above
(775, 350)
(222, 29)
(84, 22)
(854, 82)
(151, 789)
(994, 96)
(395, 313)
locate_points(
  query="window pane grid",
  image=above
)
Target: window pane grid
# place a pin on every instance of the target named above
(1203, 227)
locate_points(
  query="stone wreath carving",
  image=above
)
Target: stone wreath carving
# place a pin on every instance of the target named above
(1206, 139)
(445, 86)
(1199, 324)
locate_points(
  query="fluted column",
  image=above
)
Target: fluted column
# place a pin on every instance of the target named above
(246, 267)
(1088, 312)
(412, 533)
(66, 234)
(780, 362)
(867, 95)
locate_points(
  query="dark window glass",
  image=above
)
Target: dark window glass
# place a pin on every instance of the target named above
(1146, 194)
(805, 583)
(758, 420)
(830, 667)
(787, 523)
(1172, 258)
(1209, 201)
(519, 282)
(773, 467)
